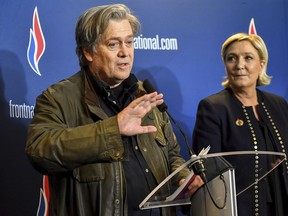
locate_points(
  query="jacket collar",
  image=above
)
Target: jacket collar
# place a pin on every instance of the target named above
(95, 88)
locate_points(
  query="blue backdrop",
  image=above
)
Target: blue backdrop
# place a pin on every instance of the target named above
(37, 48)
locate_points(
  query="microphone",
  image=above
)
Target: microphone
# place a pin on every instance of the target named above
(197, 166)
(163, 108)
(149, 89)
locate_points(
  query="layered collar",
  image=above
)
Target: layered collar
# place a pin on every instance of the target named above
(95, 88)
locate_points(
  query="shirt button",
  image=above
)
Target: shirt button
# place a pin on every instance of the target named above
(145, 149)
(146, 170)
(136, 147)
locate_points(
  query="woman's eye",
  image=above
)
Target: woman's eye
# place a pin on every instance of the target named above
(230, 58)
(248, 57)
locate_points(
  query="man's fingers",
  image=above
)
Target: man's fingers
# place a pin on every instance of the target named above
(129, 119)
(147, 129)
(152, 99)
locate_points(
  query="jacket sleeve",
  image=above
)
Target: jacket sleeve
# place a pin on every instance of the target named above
(56, 144)
(207, 130)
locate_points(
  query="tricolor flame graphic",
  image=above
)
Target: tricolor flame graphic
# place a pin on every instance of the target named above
(43, 207)
(36, 45)
(252, 28)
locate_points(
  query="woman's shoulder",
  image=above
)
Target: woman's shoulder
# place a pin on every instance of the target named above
(273, 100)
(219, 102)
(268, 96)
(219, 97)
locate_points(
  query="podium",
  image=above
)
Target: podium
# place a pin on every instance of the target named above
(224, 182)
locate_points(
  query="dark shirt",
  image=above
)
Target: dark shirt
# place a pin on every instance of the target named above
(275, 201)
(139, 180)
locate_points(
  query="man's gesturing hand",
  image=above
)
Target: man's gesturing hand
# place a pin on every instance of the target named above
(129, 119)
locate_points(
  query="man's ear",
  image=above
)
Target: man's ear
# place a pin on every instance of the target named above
(87, 54)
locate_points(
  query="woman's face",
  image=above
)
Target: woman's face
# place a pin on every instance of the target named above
(243, 65)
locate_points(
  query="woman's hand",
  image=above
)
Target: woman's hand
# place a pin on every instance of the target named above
(196, 183)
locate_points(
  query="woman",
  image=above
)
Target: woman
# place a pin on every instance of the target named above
(243, 118)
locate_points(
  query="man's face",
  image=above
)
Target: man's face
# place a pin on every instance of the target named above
(113, 60)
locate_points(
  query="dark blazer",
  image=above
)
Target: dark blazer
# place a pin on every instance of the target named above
(226, 125)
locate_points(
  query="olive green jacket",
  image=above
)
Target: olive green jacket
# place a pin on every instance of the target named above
(79, 147)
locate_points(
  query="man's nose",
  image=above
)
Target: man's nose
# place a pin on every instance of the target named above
(123, 50)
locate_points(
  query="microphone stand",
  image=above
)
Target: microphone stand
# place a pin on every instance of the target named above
(197, 166)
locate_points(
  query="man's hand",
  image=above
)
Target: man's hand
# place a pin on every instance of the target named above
(129, 119)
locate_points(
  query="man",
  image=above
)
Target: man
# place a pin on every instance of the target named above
(97, 135)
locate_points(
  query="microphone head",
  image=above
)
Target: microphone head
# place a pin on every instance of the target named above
(149, 89)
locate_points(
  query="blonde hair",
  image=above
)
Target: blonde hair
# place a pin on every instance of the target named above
(258, 43)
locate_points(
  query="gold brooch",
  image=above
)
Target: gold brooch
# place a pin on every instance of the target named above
(239, 122)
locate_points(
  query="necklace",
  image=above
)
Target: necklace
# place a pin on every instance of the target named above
(255, 146)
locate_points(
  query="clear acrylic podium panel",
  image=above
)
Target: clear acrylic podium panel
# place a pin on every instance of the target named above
(239, 166)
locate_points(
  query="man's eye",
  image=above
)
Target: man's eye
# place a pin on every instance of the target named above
(129, 43)
(113, 45)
